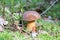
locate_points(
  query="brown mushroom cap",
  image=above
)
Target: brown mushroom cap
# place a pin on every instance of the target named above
(31, 15)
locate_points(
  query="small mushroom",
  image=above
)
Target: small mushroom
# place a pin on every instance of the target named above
(2, 23)
(31, 16)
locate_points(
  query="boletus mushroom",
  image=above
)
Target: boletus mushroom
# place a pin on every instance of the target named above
(31, 16)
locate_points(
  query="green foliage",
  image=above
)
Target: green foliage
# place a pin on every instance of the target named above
(49, 26)
(0, 11)
(5, 36)
(16, 35)
(54, 12)
(45, 37)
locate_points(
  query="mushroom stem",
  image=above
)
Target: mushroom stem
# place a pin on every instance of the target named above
(31, 26)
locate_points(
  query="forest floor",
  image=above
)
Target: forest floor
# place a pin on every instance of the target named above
(45, 34)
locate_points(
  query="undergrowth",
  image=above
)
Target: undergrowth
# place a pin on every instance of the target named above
(47, 26)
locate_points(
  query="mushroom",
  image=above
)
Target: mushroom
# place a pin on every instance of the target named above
(2, 23)
(31, 16)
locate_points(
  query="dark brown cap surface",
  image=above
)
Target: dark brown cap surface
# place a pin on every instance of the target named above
(31, 15)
